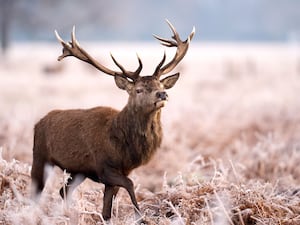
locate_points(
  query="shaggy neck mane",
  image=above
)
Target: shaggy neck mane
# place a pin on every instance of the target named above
(137, 134)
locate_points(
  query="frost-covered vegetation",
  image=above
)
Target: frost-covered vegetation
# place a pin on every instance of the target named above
(231, 148)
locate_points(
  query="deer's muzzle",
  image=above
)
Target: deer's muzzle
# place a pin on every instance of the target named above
(162, 95)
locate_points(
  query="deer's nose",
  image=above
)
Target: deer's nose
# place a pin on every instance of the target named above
(162, 95)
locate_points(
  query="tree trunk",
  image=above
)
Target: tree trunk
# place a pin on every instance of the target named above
(5, 13)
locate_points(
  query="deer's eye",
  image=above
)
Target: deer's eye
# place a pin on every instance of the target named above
(138, 91)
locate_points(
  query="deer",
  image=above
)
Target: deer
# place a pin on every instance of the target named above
(102, 143)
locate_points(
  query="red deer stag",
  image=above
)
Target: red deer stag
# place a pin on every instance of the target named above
(102, 143)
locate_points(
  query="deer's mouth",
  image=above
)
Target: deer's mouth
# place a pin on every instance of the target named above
(160, 103)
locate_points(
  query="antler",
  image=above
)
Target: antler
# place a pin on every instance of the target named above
(73, 48)
(182, 47)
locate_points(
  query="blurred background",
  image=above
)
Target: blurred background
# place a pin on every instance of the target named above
(240, 77)
(136, 20)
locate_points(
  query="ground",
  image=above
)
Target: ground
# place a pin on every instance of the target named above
(231, 147)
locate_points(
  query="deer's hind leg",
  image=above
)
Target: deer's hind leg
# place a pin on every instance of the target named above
(37, 174)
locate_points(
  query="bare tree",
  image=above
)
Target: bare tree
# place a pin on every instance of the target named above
(6, 17)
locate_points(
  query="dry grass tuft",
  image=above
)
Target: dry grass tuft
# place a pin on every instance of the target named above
(216, 199)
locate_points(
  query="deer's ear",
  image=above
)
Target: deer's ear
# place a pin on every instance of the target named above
(123, 83)
(170, 81)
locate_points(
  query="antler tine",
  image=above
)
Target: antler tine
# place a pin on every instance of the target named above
(64, 44)
(118, 64)
(139, 69)
(192, 34)
(73, 48)
(182, 47)
(175, 34)
(58, 37)
(131, 75)
(165, 42)
(73, 37)
(156, 72)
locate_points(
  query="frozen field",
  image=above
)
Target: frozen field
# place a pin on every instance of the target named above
(231, 148)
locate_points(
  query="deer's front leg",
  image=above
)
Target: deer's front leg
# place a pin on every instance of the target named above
(109, 193)
(111, 177)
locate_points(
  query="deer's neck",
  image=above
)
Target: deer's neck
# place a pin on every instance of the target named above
(137, 134)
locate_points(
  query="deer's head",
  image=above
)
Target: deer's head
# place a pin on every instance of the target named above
(147, 93)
